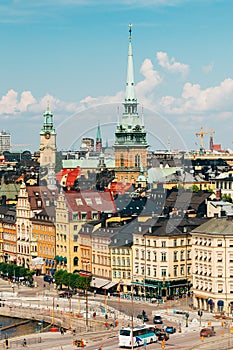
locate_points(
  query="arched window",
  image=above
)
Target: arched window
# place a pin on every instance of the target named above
(76, 261)
(122, 159)
(137, 160)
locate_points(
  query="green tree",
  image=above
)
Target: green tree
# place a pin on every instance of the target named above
(227, 198)
(194, 188)
(58, 276)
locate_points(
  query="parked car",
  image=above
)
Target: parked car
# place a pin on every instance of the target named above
(207, 332)
(170, 329)
(143, 317)
(65, 295)
(157, 319)
(48, 278)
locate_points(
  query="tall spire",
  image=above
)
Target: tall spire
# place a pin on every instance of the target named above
(130, 116)
(130, 90)
(98, 136)
(98, 144)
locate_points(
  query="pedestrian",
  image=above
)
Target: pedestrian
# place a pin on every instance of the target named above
(24, 343)
(62, 331)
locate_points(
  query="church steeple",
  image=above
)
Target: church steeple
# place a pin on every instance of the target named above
(98, 140)
(130, 116)
(130, 136)
(47, 140)
(48, 121)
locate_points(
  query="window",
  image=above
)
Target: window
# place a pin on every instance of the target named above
(75, 249)
(175, 243)
(143, 254)
(122, 160)
(163, 257)
(155, 256)
(154, 243)
(175, 271)
(175, 256)
(182, 255)
(75, 216)
(219, 243)
(155, 272)
(83, 216)
(98, 200)
(79, 201)
(182, 270)
(137, 160)
(163, 272)
(148, 255)
(88, 201)
(163, 244)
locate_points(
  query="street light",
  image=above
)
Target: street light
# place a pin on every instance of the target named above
(86, 274)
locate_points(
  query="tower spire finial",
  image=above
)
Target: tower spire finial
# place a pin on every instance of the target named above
(130, 31)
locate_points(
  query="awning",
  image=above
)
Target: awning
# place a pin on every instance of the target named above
(97, 282)
(37, 261)
(200, 296)
(110, 285)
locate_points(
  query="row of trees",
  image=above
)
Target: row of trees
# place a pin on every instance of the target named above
(13, 270)
(72, 280)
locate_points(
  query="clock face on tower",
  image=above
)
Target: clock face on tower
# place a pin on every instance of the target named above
(47, 135)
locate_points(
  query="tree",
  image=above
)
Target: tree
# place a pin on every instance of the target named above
(194, 188)
(58, 276)
(227, 198)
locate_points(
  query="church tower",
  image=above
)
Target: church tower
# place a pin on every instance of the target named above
(48, 141)
(98, 143)
(130, 135)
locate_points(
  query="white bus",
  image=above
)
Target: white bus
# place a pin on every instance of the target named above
(141, 335)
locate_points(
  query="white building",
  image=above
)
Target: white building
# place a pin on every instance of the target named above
(5, 141)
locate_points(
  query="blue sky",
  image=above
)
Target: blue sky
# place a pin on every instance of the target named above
(74, 54)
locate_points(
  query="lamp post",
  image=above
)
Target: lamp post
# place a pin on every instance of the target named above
(86, 274)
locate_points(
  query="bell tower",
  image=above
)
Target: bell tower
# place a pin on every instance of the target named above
(130, 136)
(48, 141)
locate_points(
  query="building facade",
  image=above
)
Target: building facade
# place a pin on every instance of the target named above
(212, 261)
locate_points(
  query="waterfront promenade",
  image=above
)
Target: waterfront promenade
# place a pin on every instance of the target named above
(43, 302)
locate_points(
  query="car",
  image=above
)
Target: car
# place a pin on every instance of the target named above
(161, 335)
(207, 332)
(65, 295)
(143, 317)
(170, 329)
(48, 278)
(157, 319)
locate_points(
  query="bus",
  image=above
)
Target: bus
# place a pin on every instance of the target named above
(141, 335)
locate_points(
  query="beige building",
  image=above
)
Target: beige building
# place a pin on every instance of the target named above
(162, 257)
(212, 261)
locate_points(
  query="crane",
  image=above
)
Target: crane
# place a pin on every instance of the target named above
(201, 134)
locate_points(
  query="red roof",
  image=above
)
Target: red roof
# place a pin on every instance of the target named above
(90, 201)
(71, 176)
(119, 188)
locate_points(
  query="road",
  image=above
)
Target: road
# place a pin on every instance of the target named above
(187, 340)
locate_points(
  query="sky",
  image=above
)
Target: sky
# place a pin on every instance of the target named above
(72, 54)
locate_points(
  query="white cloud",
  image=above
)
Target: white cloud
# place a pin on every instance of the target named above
(152, 79)
(171, 65)
(193, 99)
